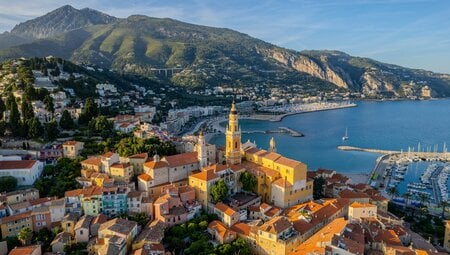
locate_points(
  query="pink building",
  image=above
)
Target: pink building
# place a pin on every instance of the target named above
(177, 205)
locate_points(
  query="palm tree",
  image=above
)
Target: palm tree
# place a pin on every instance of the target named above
(393, 192)
(25, 235)
(424, 199)
(443, 205)
(407, 196)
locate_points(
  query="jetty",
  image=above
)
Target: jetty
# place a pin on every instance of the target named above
(280, 130)
(378, 151)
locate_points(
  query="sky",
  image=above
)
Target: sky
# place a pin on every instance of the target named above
(411, 33)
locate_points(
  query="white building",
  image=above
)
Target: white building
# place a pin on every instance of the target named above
(25, 171)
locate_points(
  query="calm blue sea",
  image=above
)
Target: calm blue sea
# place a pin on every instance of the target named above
(383, 125)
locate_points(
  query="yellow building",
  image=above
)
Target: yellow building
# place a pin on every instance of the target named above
(277, 237)
(121, 172)
(226, 214)
(12, 225)
(233, 138)
(447, 236)
(137, 161)
(72, 149)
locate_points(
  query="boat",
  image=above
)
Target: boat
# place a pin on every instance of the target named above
(345, 137)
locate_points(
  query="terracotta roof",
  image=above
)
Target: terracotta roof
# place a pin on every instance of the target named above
(313, 244)
(352, 194)
(273, 212)
(256, 169)
(388, 237)
(241, 228)
(120, 165)
(92, 191)
(181, 159)
(42, 200)
(282, 183)
(25, 250)
(118, 225)
(16, 164)
(361, 205)
(220, 228)
(108, 154)
(92, 161)
(140, 155)
(288, 162)
(271, 156)
(73, 193)
(225, 209)
(145, 177)
(276, 225)
(70, 142)
(155, 165)
(15, 217)
(205, 175)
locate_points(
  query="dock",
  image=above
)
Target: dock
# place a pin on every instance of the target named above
(435, 186)
(280, 130)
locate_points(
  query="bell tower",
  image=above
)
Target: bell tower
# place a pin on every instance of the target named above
(202, 155)
(272, 146)
(233, 138)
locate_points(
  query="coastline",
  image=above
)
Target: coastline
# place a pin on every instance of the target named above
(280, 117)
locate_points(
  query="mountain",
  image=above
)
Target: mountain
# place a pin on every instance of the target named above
(206, 56)
(61, 20)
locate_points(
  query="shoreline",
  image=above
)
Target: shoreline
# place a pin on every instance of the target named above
(280, 117)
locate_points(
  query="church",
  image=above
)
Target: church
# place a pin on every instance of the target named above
(280, 181)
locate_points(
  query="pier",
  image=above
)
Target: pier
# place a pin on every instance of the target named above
(280, 130)
(435, 186)
(444, 156)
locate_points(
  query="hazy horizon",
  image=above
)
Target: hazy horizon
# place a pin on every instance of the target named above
(410, 33)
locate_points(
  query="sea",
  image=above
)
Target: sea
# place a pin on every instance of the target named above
(388, 125)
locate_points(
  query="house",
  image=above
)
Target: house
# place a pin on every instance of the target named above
(126, 127)
(361, 210)
(60, 241)
(57, 209)
(82, 229)
(121, 172)
(41, 218)
(221, 233)
(226, 214)
(25, 171)
(277, 236)
(176, 206)
(120, 230)
(21, 195)
(137, 161)
(26, 250)
(68, 223)
(11, 225)
(114, 201)
(264, 211)
(153, 233)
(72, 149)
(316, 244)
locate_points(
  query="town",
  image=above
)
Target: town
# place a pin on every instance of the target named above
(191, 198)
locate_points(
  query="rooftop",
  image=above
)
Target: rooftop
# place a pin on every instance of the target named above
(16, 164)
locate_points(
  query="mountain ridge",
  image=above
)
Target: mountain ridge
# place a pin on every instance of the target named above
(210, 56)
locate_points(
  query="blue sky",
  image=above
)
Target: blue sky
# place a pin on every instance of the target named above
(412, 33)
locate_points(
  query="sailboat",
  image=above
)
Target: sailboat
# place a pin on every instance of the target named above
(345, 137)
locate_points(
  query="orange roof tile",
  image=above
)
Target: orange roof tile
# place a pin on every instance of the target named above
(276, 225)
(242, 228)
(220, 228)
(70, 142)
(15, 217)
(361, 205)
(181, 159)
(288, 162)
(155, 165)
(140, 155)
(73, 193)
(205, 175)
(352, 194)
(145, 177)
(25, 250)
(108, 154)
(16, 164)
(316, 244)
(92, 161)
(225, 209)
(282, 183)
(120, 165)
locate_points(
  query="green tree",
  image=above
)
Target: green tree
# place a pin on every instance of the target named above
(27, 110)
(35, 128)
(219, 191)
(51, 130)
(14, 117)
(49, 106)
(242, 246)
(66, 121)
(407, 196)
(25, 235)
(392, 191)
(248, 181)
(424, 199)
(45, 238)
(7, 183)
(101, 125)
(2, 128)
(443, 204)
(90, 110)
(319, 187)
(2, 108)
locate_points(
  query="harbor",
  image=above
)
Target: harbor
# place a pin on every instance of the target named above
(421, 174)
